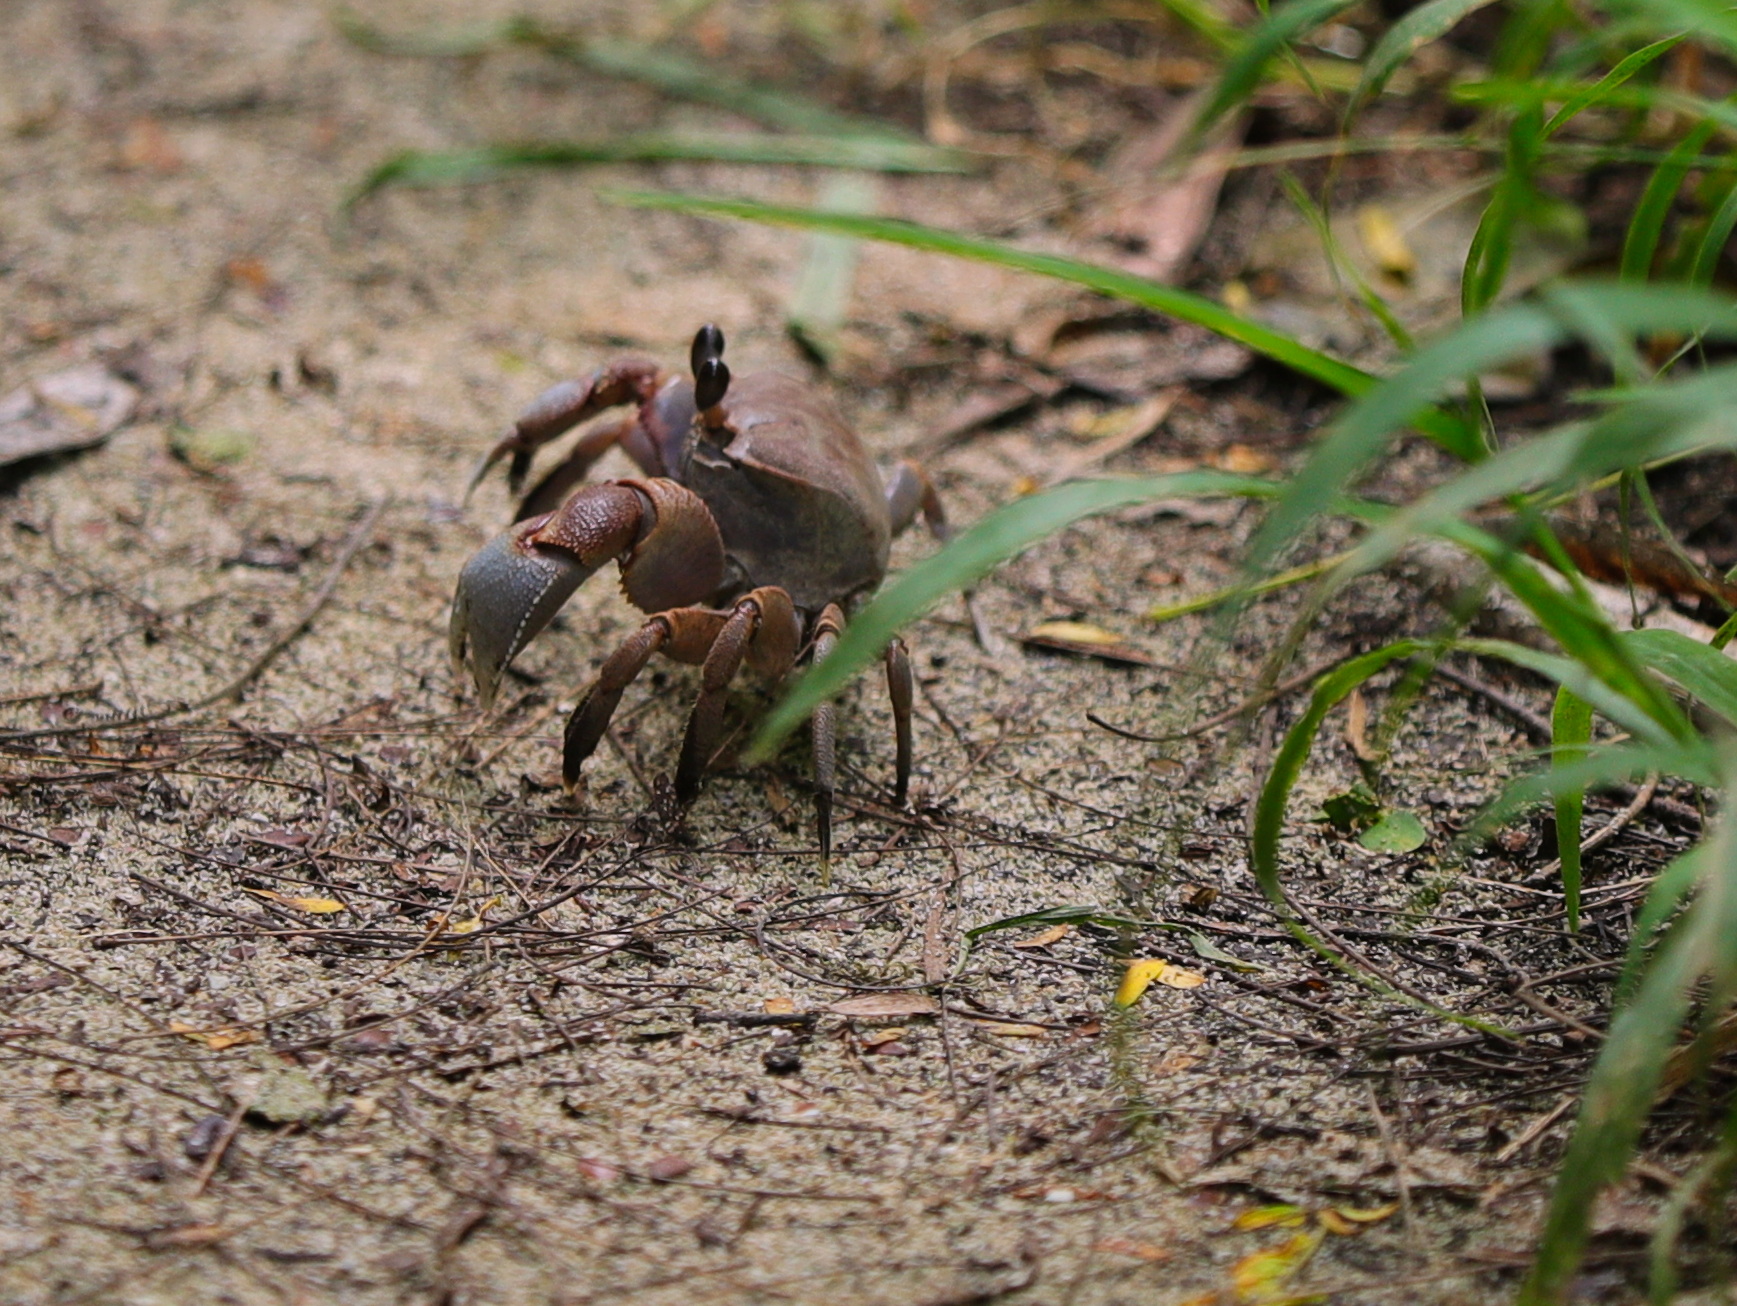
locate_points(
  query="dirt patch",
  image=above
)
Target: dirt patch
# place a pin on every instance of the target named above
(326, 993)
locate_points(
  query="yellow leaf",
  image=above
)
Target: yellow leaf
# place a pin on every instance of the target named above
(1045, 938)
(1078, 632)
(315, 906)
(1260, 1276)
(1384, 241)
(1335, 1223)
(215, 1039)
(1366, 1215)
(1143, 974)
(1281, 1215)
(472, 924)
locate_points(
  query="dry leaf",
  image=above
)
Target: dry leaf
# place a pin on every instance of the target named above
(886, 1004)
(471, 924)
(879, 1036)
(1044, 938)
(1385, 243)
(215, 1039)
(190, 1235)
(314, 906)
(63, 411)
(1128, 1247)
(1143, 974)
(1003, 1029)
(1278, 1216)
(1357, 726)
(1243, 459)
(1366, 1215)
(779, 1007)
(1092, 641)
(1261, 1276)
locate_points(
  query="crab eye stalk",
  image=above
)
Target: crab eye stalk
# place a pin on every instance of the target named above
(708, 344)
(711, 382)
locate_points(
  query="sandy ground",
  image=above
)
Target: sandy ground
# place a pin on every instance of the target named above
(518, 1064)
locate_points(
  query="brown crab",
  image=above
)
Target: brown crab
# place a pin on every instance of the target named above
(760, 518)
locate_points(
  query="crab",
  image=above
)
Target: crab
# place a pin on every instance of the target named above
(759, 521)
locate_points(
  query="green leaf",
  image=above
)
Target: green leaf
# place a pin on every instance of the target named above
(1648, 220)
(1704, 671)
(1244, 70)
(1570, 732)
(1355, 809)
(965, 560)
(1398, 831)
(1428, 22)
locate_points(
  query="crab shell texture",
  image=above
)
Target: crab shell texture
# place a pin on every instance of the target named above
(797, 499)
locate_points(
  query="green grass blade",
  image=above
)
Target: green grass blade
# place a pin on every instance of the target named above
(1243, 71)
(1299, 742)
(1668, 891)
(1107, 281)
(1629, 1068)
(670, 73)
(1647, 223)
(1593, 683)
(1705, 672)
(1600, 90)
(1714, 240)
(1358, 437)
(1570, 732)
(1428, 22)
(999, 536)
(862, 153)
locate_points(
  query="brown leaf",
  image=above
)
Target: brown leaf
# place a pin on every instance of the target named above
(875, 1005)
(779, 1007)
(666, 1168)
(1006, 1029)
(1128, 1247)
(1153, 223)
(190, 1235)
(63, 411)
(215, 1039)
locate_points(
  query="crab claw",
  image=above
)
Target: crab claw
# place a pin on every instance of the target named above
(662, 534)
(506, 594)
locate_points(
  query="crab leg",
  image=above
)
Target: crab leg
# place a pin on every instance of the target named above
(900, 688)
(662, 534)
(762, 629)
(562, 407)
(684, 634)
(828, 626)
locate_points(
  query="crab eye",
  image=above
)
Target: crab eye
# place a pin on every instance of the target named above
(708, 344)
(711, 381)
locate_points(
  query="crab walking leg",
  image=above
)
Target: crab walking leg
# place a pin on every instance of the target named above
(828, 626)
(901, 689)
(909, 490)
(761, 629)
(562, 407)
(682, 634)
